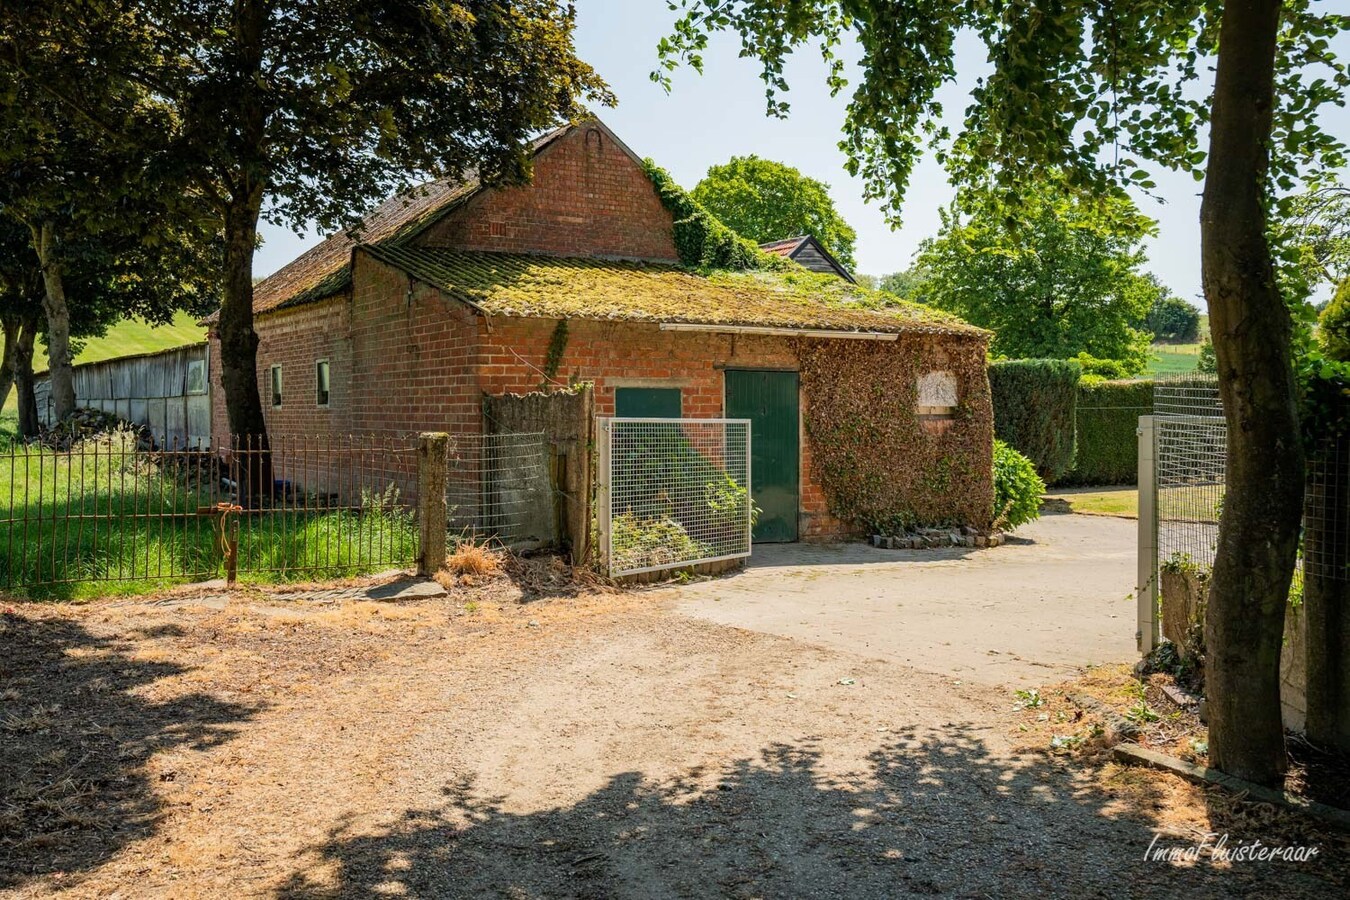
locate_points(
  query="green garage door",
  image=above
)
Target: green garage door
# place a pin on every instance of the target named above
(769, 401)
(647, 403)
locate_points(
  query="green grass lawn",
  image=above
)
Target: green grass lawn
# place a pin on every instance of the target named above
(126, 338)
(1199, 503)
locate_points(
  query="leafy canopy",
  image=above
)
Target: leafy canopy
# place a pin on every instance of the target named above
(1172, 319)
(768, 201)
(1096, 90)
(1062, 279)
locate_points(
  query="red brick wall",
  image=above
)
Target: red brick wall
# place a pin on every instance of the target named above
(296, 339)
(623, 354)
(588, 198)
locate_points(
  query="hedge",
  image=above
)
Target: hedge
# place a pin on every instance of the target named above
(1108, 416)
(1034, 410)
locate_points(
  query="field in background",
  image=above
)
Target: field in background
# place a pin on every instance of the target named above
(1172, 359)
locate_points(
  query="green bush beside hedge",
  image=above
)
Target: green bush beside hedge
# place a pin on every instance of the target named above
(1034, 410)
(1108, 448)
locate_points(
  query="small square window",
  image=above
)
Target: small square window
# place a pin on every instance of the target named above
(276, 385)
(196, 376)
(321, 382)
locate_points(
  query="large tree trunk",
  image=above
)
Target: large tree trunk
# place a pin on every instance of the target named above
(23, 377)
(239, 348)
(59, 363)
(10, 326)
(1251, 327)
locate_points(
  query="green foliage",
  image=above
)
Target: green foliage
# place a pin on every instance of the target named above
(1102, 369)
(1333, 325)
(1035, 403)
(1107, 446)
(1060, 276)
(701, 239)
(907, 285)
(640, 543)
(1172, 319)
(1207, 364)
(1017, 488)
(1099, 91)
(767, 201)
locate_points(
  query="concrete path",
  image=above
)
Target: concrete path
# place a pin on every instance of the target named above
(1056, 597)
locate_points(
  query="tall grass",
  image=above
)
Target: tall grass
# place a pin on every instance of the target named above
(105, 519)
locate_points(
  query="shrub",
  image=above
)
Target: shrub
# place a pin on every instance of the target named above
(1017, 488)
(1107, 445)
(1035, 402)
(1333, 325)
(644, 543)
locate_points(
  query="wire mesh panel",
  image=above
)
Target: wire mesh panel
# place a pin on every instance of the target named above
(498, 488)
(1187, 395)
(1190, 464)
(1326, 511)
(1190, 461)
(673, 492)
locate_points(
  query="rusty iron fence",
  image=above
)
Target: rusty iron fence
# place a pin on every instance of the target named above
(115, 509)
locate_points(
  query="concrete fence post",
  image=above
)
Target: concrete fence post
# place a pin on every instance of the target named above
(1146, 585)
(432, 514)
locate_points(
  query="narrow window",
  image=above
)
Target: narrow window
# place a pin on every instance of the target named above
(196, 376)
(937, 395)
(321, 382)
(276, 385)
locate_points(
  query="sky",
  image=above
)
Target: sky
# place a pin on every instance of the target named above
(707, 119)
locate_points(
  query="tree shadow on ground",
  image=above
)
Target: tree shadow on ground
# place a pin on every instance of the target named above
(933, 814)
(76, 733)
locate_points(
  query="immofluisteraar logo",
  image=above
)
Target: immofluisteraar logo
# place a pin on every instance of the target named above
(1216, 847)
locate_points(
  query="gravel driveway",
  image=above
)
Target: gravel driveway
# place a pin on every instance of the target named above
(1059, 595)
(594, 746)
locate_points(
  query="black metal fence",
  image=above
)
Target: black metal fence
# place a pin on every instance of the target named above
(114, 510)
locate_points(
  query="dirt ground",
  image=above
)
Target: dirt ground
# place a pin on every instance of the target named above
(553, 745)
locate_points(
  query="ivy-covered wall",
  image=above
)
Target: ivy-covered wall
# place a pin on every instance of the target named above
(884, 466)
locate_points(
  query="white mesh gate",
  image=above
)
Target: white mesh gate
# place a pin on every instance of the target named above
(672, 492)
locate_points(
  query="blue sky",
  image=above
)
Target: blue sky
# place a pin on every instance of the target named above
(707, 119)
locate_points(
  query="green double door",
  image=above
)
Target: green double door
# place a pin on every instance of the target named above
(770, 401)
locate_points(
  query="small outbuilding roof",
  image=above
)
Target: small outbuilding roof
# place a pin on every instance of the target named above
(509, 284)
(805, 250)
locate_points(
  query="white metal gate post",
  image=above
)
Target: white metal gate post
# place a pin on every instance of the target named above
(603, 489)
(1146, 586)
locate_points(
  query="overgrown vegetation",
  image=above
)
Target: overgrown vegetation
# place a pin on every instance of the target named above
(701, 239)
(883, 470)
(1035, 410)
(1017, 488)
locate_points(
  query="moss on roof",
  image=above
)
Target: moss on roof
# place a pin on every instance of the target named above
(507, 284)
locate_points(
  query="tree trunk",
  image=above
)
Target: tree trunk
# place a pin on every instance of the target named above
(1326, 590)
(59, 368)
(11, 331)
(1251, 328)
(239, 347)
(23, 377)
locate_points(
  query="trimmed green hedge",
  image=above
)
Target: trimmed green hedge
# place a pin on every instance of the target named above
(1108, 448)
(1034, 410)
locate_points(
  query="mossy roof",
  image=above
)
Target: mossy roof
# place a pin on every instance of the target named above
(507, 284)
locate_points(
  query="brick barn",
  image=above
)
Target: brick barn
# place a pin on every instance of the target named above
(457, 290)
